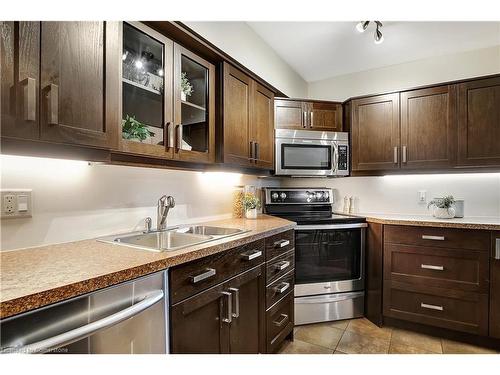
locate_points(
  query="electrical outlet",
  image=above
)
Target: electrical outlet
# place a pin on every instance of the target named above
(16, 203)
(422, 199)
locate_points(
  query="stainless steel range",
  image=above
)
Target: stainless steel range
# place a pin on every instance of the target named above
(329, 254)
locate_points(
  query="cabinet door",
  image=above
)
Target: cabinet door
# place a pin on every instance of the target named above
(325, 116)
(236, 122)
(375, 133)
(479, 123)
(262, 126)
(19, 72)
(147, 76)
(246, 329)
(428, 128)
(495, 287)
(194, 107)
(290, 114)
(80, 82)
(199, 324)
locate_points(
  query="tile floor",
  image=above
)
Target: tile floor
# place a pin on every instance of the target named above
(360, 336)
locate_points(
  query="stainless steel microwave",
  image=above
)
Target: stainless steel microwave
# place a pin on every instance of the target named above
(310, 153)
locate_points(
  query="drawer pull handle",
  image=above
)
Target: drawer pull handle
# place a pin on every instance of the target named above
(282, 265)
(251, 254)
(497, 248)
(209, 272)
(280, 289)
(279, 323)
(236, 308)
(229, 302)
(431, 307)
(431, 267)
(435, 238)
(281, 243)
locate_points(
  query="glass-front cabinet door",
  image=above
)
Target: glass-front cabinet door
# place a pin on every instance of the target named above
(194, 107)
(147, 75)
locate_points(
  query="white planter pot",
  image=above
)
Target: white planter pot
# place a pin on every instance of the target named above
(183, 96)
(444, 213)
(251, 214)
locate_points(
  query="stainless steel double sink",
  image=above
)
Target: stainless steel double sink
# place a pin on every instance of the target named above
(173, 238)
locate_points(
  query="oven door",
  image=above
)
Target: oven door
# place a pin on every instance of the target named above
(329, 258)
(305, 157)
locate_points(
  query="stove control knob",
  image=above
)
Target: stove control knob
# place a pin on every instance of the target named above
(319, 195)
(283, 195)
(326, 196)
(274, 196)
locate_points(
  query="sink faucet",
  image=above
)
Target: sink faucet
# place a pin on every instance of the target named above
(165, 203)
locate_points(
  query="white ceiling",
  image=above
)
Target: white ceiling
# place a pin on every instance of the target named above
(319, 50)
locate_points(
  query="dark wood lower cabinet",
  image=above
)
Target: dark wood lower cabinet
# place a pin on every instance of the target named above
(374, 273)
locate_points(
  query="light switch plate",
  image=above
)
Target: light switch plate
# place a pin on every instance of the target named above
(16, 203)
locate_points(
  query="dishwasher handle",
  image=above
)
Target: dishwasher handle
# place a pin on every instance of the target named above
(76, 334)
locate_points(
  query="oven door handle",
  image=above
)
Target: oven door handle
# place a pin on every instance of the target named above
(331, 226)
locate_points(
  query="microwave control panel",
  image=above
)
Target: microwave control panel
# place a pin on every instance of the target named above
(342, 160)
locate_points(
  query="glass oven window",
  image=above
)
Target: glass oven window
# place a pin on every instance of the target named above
(294, 156)
(327, 255)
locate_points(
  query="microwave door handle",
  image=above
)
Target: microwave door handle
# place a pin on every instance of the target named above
(335, 157)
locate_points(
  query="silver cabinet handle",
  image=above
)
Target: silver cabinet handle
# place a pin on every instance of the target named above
(281, 243)
(166, 135)
(79, 333)
(251, 151)
(253, 254)
(236, 300)
(435, 238)
(311, 119)
(178, 128)
(395, 154)
(282, 288)
(229, 302)
(497, 248)
(282, 265)
(53, 104)
(29, 96)
(304, 119)
(431, 307)
(279, 323)
(209, 272)
(257, 150)
(403, 157)
(431, 267)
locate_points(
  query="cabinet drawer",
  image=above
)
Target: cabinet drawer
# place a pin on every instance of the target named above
(193, 277)
(460, 311)
(280, 288)
(465, 270)
(437, 237)
(279, 266)
(279, 323)
(279, 243)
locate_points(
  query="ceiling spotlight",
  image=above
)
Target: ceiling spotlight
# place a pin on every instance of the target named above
(362, 26)
(379, 38)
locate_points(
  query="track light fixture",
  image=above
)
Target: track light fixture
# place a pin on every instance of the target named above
(363, 25)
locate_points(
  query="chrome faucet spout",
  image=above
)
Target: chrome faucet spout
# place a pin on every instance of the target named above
(165, 203)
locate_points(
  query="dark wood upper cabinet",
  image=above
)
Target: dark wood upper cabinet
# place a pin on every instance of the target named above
(19, 79)
(79, 82)
(146, 89)
(428, 128)
(289, 114)
(495, 286)
(262, 126)
(479, 123)
(325, 116)
(236, 119)
(247, 128)
(375, 133)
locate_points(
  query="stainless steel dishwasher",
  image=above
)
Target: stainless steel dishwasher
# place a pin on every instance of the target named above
(131, 317)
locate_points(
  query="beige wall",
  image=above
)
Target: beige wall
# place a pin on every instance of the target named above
(239, 41)
(417, 73)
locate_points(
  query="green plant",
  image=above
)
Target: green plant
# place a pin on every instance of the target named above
(445, 202)
(186, 86)
(250, 201)
(134, 129)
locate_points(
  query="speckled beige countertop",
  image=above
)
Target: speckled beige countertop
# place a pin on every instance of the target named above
(39, 276)
(471, 222)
